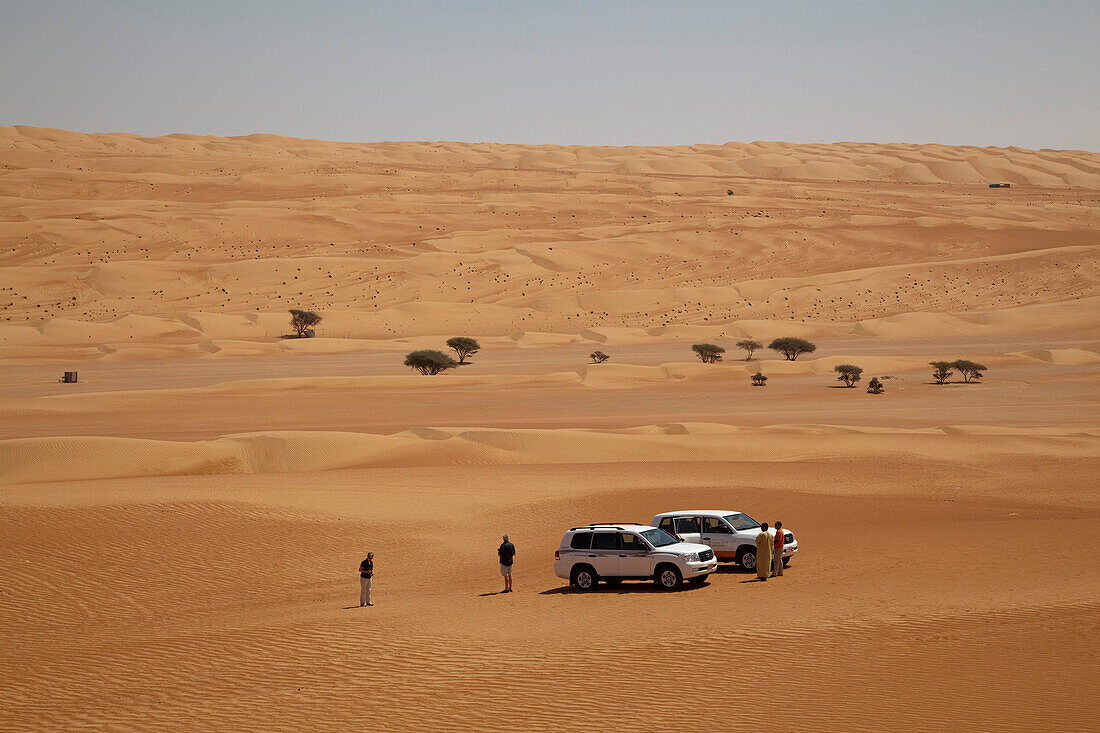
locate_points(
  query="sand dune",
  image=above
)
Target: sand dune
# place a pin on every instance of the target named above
(181, 527)
(30, 460)
(185, 241)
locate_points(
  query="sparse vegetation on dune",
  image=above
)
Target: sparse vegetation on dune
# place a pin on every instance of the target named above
(463, 346)
(970, 370)
(302, 321)
(875, 386)
(759, 380)
(848, 373)
(749, 345)
(791, 347)
(941, 370)
(598, 357)
(429, 361)
(708, 353)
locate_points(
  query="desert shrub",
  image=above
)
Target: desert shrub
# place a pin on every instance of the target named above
(759, 380)
(463, 346)
(875, 386)
(969, 369)
(849, 374)
(749, 346)
(708, 353)
(791, 348)
(302, 321)
(941, 370)
(598, 357)
(429, 361)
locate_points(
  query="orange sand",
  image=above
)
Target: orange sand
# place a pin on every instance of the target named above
(180, 530)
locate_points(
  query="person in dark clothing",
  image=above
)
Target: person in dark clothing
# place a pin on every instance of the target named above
(366, 573)
(506, 551)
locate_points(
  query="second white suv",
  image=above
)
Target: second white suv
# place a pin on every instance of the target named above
(625, 551)
(731, 534)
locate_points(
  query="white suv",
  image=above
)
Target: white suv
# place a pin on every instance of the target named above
(732, 535)
(627, 551)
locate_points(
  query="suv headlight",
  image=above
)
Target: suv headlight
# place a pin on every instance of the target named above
(692, 557)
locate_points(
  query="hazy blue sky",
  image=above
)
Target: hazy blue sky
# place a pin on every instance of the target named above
(615, 73)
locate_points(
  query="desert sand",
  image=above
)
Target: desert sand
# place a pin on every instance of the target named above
(180, 530)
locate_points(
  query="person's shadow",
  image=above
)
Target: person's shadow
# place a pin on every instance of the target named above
(494, 593)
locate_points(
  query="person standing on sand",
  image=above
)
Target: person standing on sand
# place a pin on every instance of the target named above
(763, 552)
(506, 551)
(366, 572)
(777, 551)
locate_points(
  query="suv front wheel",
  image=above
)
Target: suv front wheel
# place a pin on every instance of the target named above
(584, 578)
(668, 577)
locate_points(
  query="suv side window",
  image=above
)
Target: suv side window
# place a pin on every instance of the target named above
(581, 540)
(666, 525)
(714, 525)
(632, 542)
(686, 525)
(605, 541)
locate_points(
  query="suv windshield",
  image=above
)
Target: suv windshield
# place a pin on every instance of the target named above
(741, 521)
(658, 537)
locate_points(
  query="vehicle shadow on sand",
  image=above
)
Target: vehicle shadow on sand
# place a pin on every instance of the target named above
(731, 569)
(604, 589)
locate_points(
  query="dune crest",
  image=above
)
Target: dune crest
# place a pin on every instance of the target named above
(32, 460)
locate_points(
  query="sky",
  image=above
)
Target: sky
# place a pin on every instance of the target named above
(588, 73)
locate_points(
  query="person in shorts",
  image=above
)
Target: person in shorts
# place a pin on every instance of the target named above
(507, 552)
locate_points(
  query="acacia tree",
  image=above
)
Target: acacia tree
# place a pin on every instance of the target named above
(849, 374)
(302, 321)
(598, 357)
(429, 361)
(791, 348)
(708, 353)
(969, 369)
(750, 346)
(875, 386)
(941, 370)
(463, 346)
(759, 380)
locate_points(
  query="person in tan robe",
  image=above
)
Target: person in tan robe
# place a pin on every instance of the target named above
(763, 553)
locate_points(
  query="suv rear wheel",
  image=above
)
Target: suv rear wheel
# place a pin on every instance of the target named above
(668, 577)
(584, 578)
(746, 558)
(787, 561)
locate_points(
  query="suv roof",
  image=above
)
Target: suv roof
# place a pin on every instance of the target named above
(701, 513)
(612, 525)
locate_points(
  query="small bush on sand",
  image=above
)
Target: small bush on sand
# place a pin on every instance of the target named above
(759, 380)
(941, 370)
(970, 370)
(749, 346)
(875, 386)
(598, 357)
(708, 353)
(849, 374)
(429, 361)
(791, 348)
(464, 347)
(302, 321)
